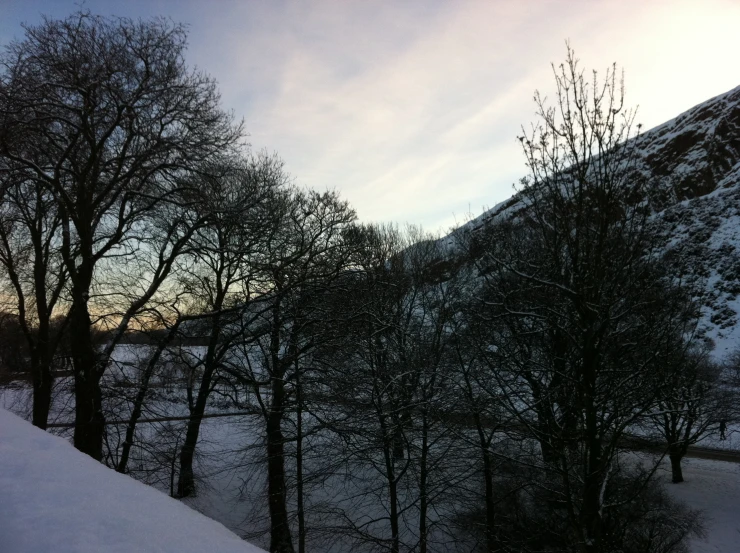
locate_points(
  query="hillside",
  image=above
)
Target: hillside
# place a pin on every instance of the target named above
(694, 163)
(54, 498)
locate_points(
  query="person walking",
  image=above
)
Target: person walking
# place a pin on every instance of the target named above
(722, 429)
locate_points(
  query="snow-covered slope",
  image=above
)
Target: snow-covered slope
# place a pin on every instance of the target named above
(694, 163)
(55, 499)
(695, 159)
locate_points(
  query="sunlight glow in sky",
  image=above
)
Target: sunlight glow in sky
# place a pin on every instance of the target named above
(411, 109)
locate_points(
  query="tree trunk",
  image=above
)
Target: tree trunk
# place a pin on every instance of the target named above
(299, 462)
(392, 499)
(399, 447)
(41, 357)
(280, 539)
(40, 369)
(42, 385)
(139, 402)
(89, 419)
(186, 480)
(590, 519)
(488, 469)
(676, 472)
(423, 480)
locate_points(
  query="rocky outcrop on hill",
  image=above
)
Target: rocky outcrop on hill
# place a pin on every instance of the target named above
(697, 152)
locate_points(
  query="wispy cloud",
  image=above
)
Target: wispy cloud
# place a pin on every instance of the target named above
(411, 109)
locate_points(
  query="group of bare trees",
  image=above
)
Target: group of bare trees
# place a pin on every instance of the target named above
(102, 123)
(474, 393)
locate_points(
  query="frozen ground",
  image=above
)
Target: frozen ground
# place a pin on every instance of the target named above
(57, 499)
(39, 474)
(713, 487)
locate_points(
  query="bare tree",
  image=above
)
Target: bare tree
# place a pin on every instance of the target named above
(218, 275)
(691, 403)
(304, 252)
(105, 113)
(29, 255)
(378, 383)
(582, 303)
(389, 387)
(151, 365)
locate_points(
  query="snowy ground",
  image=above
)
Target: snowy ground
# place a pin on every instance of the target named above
(57, 499)
(231, 491)
(713, 487)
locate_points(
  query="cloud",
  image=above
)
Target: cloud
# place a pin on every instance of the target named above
(411, 109)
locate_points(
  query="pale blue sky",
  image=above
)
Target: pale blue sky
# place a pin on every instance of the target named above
(411, 109)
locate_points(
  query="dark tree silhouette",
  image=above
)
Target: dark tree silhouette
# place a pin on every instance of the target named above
(104, 113)
(578, 303)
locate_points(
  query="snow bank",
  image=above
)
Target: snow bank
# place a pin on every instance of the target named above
(53, 498)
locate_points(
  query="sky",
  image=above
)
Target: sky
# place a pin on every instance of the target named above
(411, 109)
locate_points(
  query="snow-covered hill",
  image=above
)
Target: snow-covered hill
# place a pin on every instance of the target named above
(55, 499)
(694, 161)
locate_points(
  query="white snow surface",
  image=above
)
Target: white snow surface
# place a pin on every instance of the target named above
(714, 488)
(54, 498)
